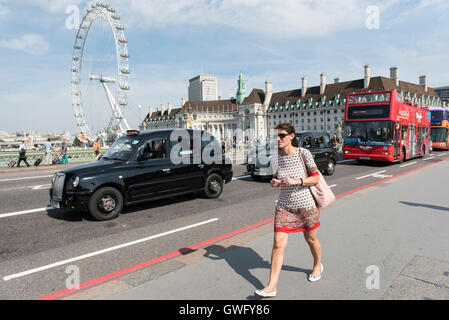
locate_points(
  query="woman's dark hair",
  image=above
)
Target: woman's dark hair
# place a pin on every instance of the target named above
(290, 129)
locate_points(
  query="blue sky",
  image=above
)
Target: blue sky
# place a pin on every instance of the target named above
(173, 41)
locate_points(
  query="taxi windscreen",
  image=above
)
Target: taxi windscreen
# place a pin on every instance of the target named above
(123, 148)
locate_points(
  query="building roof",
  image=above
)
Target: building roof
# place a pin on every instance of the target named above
(210, 106)
(256, 96)
(348, 87)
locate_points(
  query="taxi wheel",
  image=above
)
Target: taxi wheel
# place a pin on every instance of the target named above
(330, 168)
(213, 186)
(106, 204)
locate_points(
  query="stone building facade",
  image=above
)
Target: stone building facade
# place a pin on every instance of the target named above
(317, 108)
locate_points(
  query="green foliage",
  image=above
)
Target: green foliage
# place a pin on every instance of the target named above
(77, 142)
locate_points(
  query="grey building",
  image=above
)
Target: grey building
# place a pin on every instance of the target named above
(203, 88)
(443, 92)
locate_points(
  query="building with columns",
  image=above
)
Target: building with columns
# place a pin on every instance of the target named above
(317, 108)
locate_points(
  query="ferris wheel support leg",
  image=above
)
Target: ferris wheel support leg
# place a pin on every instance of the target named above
(117, 114)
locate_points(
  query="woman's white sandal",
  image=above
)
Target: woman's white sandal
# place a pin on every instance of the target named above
(266, 294)
(313, 278)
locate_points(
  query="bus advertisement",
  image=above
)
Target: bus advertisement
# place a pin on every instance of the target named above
(383, 126)
(439, 128)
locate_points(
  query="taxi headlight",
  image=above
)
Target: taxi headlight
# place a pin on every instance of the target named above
(76, 182)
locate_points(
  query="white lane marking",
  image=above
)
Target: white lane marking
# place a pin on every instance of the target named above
(241, 177)
(369, 175)
(428, 158)
(442, 154)
(345, 161)
(10, 214)
(334, 185)
(404, 165)
(26, 178)
(44, 186)
(88, 255)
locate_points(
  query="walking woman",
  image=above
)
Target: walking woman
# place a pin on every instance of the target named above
(296, 209)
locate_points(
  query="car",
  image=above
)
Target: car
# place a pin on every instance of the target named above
(140, 167)
(319, 143)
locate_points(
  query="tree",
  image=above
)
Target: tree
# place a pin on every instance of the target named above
(77, 142)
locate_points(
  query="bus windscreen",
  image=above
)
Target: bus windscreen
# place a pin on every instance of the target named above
(381, 111)
(438, 134)
(437, 115)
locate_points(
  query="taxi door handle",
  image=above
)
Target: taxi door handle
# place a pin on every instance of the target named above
(166, 170)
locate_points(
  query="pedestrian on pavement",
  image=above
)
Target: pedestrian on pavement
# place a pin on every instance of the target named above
(97, 148)
(23, 154)
(296, 210)
(223, 146)
(63, 155)
(48, 149)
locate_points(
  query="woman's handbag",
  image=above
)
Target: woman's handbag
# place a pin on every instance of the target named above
(321, 192)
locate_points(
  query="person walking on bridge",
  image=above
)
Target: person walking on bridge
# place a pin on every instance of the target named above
(294, 170)
(97, 148)
(63, 155)
(48, 149)
(23, 154)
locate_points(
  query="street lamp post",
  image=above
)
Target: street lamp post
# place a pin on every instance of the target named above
(138, 120)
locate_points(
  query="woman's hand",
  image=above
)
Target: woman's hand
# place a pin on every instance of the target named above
(275, 182)
(288, 180)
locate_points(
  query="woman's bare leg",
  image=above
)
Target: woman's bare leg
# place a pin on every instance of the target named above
(315, 248)
(277, 259)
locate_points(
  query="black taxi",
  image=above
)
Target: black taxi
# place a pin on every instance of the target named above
(319, 143)
(143, 166)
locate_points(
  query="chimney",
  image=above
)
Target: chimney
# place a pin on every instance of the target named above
(162, 109)
(423, 82)
(394, 75)
(150, 111)
(169, 107)
(337, 80)
(304, 86)
(183, 101)
(367, 77)
(268, 87)
(322, 83)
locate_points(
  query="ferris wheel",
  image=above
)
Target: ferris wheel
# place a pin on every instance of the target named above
(100, 73)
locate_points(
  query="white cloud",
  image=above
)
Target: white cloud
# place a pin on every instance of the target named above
(289, 18)
(29, 43)
(3, 10)
(52, 6)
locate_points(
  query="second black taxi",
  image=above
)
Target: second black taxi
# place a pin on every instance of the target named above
(143, 166)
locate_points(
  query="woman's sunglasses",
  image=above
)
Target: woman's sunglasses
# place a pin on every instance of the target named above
(283, 135)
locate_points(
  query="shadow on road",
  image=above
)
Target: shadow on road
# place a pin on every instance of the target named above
(243, 259)
(430, 206)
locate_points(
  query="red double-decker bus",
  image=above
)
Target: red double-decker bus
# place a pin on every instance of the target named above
(383, 126)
